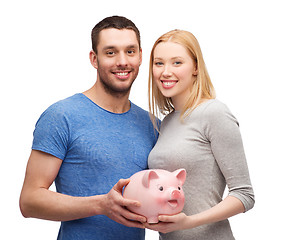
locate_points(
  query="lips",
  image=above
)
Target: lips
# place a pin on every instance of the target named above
(122, 74)
(168, 83)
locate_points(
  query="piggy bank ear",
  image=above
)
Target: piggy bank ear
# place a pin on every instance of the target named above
(181, 175)
(148, 176)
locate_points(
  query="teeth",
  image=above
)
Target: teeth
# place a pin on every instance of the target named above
(168, 83)
(122, 73)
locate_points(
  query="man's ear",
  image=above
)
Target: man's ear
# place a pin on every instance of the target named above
(140, 52)
(93, 59)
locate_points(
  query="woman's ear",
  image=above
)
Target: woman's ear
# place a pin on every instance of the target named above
(195, 72)
(93, 59)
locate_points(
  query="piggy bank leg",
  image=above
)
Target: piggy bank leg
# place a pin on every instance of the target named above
(153, 219)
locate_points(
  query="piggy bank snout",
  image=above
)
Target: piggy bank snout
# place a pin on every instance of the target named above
(175, 200)
(175, 194)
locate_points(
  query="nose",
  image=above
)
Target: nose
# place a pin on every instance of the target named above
(175, 194)
(122, 59)
(167, 72)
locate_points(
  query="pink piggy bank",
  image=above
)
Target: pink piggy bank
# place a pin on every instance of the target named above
(159, 192)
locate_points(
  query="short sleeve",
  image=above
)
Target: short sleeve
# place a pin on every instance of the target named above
(223, 132)
(51, 132)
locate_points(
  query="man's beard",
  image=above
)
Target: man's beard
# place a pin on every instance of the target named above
(113, 90)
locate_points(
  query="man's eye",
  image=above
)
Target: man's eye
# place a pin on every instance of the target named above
(110, 53)
(131, 51)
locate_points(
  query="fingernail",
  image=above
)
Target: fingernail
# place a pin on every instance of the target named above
(137, 204)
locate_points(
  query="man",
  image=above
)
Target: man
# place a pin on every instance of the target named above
(89, 141)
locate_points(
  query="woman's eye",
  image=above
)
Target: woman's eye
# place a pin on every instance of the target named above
(161, 188)
(177, 63)
(158, 63)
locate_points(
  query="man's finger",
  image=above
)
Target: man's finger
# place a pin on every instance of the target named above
(121, 184)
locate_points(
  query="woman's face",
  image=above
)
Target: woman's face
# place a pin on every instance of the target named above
(174, 72)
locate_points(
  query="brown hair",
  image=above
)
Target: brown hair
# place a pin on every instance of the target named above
(117, 22)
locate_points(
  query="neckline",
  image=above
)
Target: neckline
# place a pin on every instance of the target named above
(199, 106)
(103, 109)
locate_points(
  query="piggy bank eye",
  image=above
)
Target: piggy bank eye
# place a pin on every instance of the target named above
(161, 188)
(179, 188)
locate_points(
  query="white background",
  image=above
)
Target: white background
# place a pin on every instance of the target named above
(44, 58)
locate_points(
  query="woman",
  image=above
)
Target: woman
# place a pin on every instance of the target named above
(200, 134)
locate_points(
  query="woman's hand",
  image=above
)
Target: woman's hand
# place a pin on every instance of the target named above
(229, 207)
(171, 223)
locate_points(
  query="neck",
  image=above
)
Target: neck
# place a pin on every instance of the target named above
(116, 103)
(179, 103)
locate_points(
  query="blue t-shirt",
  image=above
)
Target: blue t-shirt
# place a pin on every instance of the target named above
(97, 148)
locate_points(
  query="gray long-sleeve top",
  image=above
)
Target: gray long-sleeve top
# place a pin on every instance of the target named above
(209, 146)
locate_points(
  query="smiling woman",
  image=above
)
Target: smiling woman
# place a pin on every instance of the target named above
(203, 137)
(174, 72)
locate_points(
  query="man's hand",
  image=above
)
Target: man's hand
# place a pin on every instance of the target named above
(115, 204)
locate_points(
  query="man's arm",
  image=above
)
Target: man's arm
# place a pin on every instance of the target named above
(38, 201)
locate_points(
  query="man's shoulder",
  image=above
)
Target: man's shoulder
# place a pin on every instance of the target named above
(140, 112)
(137, 108)
(71, 102)
(63, 107)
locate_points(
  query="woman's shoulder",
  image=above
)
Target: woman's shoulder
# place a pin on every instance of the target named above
(216, 111)
(214, 106)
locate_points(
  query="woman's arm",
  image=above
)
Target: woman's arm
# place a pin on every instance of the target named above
(229, 207)
(38, 201)
(222, 130)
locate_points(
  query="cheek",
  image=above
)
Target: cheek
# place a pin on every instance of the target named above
(105, 64)
(156, 77)
(156, 72)
(182, 72)
(135, 62)
(185, 75)
(160, 199)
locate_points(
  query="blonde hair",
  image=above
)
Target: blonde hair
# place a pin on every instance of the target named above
(202, 87)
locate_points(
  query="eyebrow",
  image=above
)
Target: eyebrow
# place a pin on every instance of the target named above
(113, 47)
(159, 58)
(133, 46)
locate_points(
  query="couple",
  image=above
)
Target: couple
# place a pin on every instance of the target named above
(89, 141)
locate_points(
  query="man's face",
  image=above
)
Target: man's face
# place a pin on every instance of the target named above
(118, 60)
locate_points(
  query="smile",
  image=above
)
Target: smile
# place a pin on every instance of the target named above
(168, 83)
(122, 75)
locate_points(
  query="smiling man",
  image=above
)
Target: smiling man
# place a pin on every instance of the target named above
(117, 58)
(87, 142)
